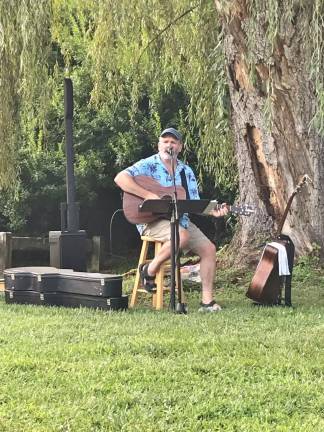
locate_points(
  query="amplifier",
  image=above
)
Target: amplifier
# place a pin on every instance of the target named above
(68, 250)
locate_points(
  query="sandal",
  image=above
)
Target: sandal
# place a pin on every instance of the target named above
(209, 307)
(147, 281)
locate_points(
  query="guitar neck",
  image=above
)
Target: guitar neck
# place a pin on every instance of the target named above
(231, 208)
(242, 210)
(284, 217)
(305, 179)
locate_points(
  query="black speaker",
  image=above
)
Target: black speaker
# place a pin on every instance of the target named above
(68, 250)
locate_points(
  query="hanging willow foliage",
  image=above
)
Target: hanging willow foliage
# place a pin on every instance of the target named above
(134, 48)
(153, 45)
(149, 46)
(24, 42)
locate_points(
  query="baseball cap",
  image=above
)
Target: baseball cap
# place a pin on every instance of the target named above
(172, 131)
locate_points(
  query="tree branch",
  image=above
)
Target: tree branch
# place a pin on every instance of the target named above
(165, 29)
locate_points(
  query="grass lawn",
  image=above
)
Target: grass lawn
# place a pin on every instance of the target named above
(244, 369)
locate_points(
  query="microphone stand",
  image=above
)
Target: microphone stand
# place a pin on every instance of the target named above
(175, 248)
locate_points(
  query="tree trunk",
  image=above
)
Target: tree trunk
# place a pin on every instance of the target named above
(271, 158)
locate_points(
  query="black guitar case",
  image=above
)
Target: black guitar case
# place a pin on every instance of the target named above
(64, 287)
(66, 299)
(91, 284)
(51, 279)
(25, 297)
(28, 278)
(77, 300)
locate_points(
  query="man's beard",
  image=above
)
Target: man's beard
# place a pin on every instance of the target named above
(165, 156)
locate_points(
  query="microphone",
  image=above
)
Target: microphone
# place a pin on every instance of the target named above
(170, 151)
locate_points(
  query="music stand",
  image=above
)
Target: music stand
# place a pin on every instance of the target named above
(172, 209)
(164, 206)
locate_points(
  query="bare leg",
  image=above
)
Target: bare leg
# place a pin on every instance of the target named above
(207, 251)
(165, 252)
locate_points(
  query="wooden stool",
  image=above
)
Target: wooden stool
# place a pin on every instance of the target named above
(157, 297)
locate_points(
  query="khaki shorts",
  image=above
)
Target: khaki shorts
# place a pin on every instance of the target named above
(160, 230)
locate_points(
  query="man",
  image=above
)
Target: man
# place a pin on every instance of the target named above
(159, 167)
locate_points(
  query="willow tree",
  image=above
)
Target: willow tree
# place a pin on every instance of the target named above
(131, 49)
(252, 71)
(274, 61)
(272, 53)
(150, 46)
(24, 45)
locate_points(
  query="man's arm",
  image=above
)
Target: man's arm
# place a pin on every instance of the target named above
(126, 182)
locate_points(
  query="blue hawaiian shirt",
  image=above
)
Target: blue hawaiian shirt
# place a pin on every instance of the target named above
(154, 167)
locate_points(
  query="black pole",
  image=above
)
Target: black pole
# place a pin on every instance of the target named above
(175, 250)
(72, 212)
(68, 246)
(173, 261)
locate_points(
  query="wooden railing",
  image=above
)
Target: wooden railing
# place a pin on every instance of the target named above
(9, 244)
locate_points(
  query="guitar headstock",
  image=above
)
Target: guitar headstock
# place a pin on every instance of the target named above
(304, 180)
(243, 210)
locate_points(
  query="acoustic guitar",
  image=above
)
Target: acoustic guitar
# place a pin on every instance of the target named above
(266, 284)
(132, 203)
